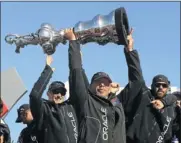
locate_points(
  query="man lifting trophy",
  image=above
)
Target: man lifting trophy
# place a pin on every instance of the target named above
(102, 29)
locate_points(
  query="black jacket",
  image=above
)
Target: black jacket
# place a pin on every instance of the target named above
(30, 134)
(100, 121)
(58, 121)
(177, 124)
(144, 124)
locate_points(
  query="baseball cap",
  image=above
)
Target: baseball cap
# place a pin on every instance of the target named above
(100, 75)
(160, 78)
(21, 109)
(57, 86)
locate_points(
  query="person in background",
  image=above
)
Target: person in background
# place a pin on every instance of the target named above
(177, 122)
(30, 133)
(149, 112)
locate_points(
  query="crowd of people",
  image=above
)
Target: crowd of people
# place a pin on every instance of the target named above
(94, 113)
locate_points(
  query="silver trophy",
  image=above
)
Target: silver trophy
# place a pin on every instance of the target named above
(47, 37)
(103, 29)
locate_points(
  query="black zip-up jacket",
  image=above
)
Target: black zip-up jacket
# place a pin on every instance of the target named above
(144, 124)
(101, 121)
(30, 134)
(58, 121)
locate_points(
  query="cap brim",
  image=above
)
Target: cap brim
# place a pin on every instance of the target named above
(103, 77)
(18, 120)
(64, 90)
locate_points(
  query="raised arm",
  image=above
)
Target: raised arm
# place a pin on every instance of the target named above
(132, 59)
(36, 102)
(134, 67)
(77, 78)
(135, 76)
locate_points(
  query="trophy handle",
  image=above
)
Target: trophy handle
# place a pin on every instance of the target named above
(47, 37)
(21, 41)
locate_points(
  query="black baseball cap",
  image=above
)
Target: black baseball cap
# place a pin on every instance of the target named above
(160, 78)
(57, 86)
(100, 75)
(21, 109)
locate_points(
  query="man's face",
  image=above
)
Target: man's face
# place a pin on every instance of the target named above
(26, 116)
(160, 89)
(102, 87)
(56, 96)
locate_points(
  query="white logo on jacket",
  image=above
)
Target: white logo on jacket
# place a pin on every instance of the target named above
(165, 129)
(33, 138)
(70, 114)
(105, 124)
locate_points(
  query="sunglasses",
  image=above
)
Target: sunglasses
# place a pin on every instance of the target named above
(105, 81)
(164, 85)
(57, 91)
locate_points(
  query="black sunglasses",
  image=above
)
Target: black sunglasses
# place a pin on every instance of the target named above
(103, 80)
(24, 113)
(57, 91)
(164, 85)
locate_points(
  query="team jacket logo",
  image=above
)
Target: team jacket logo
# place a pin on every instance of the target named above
(105, 124)
(33, 138)
(165, 129)
(73, 122)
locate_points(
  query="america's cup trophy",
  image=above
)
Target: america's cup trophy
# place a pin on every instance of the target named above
(102, 29)
(47, 37)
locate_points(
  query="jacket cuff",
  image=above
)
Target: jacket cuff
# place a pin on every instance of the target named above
(164, 102)
(126, 51)
(47, 67)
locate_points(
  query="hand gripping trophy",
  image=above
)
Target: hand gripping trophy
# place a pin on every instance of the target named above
(102, 29)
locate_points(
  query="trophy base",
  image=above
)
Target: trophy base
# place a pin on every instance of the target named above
(122, 26)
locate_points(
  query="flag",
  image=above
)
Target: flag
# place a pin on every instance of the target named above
(4, 109)
(12, 89)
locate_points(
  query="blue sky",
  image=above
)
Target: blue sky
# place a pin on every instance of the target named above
(156, 35)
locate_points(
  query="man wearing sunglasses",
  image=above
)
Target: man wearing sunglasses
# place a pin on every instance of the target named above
(29, 134)
(54, 117)
(149, 113)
